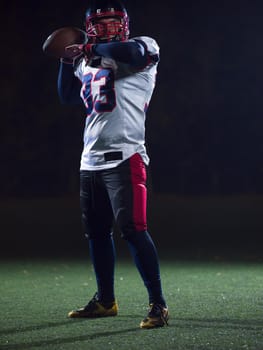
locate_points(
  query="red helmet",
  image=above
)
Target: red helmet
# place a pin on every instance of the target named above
(117, 30)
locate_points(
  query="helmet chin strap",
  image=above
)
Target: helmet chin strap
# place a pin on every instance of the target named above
(108, 40)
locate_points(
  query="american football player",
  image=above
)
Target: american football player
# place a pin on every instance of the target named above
(114, 76)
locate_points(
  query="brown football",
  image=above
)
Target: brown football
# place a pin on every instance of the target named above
(56, 42)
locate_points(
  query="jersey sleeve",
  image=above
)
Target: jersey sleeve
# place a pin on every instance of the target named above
(151, 46)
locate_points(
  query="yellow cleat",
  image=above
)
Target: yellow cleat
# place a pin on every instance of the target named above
(95, 309)
(157, 317)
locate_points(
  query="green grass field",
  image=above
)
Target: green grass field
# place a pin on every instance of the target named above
(213, 305)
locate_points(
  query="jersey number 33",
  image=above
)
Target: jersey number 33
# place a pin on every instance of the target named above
(98, 92)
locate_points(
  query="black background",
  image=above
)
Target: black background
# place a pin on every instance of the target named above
(204, 129)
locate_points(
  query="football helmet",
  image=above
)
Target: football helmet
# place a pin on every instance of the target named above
(116, 29)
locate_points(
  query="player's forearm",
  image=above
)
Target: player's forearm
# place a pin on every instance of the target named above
(68, 85)
(132, 53)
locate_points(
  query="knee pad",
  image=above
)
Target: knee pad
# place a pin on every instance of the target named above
(133, 235)
(97, 235)
(94, 229)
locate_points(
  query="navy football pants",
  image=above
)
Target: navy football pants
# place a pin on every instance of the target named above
(119, 194)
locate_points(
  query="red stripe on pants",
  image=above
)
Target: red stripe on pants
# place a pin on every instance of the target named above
(138, 179)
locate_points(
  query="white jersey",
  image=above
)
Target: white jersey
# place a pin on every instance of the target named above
(116, 100)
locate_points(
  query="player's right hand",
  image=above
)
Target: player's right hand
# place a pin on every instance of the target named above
(76, 50)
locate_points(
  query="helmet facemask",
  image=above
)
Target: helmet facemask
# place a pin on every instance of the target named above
(116, 28)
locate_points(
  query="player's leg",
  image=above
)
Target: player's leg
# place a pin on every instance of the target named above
(97, 220)
(127, 190)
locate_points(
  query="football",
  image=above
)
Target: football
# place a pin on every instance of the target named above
(57, 41)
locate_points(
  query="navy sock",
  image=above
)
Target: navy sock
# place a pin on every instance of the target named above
(146, 259)
(102, 253)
